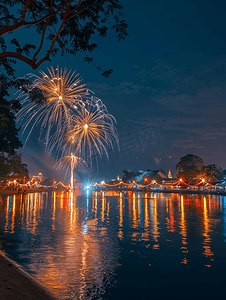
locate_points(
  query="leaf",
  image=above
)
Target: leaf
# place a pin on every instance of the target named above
(107, 73)
(88, 59)
(121, 29)
(103, 31)
(4, 11)
(15, 42)
(36, 95)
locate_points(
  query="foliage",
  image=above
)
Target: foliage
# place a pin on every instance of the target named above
(9, 140)
(212, 173)
(47, 182)
(190, 162)
(189, 175)
(128, 175)
(143, 177)
(10, 162)
(36, 95)
(62, 26)
(189, 167)
(11, 167)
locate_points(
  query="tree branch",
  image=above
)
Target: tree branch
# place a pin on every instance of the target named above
(45, 3)
(24, 23)
(82, 9)
(56, 36)
(42, 40)
(53, 15)
(8, 107)
(19, 24)
(16, 55)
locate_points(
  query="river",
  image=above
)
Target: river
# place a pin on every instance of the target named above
(128, 245)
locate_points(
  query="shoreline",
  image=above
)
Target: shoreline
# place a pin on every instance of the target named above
(16, 284)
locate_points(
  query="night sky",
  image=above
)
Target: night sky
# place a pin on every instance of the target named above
(167, 90)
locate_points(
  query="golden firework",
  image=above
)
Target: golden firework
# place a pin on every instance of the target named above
(61, 91)
(92, 132)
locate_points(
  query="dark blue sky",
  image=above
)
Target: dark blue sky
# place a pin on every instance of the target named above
(167, 90)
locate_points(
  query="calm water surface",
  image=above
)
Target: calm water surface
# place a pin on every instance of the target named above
(124, 246)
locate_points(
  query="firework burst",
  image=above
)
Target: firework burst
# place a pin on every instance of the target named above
(60, 92)
(92, 132)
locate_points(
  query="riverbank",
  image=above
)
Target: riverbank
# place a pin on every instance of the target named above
(15, 284)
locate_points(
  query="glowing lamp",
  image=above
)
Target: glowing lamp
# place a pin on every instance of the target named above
(86, 126)
(180, 179)
(102, 182)
(60, 98)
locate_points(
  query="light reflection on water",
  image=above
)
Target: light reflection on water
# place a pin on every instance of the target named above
(99, 246)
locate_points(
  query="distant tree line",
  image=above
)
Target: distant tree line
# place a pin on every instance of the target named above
(189, 167)
(192, 166)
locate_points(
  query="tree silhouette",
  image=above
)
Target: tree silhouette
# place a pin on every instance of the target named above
(61, 26)
(212, 173)
(189, 167)
(9, 140)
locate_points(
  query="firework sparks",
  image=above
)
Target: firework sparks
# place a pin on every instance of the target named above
(61, 92)
(71, 117)
(92, 132)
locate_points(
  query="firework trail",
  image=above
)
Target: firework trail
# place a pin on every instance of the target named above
(70, 162)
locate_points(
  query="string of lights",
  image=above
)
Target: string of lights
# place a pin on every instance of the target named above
(35, 184)
(154, 183)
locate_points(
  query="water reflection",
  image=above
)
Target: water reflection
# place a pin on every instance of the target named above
(183, 231)
(73, 245)
(120, 232)
(206, 232)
